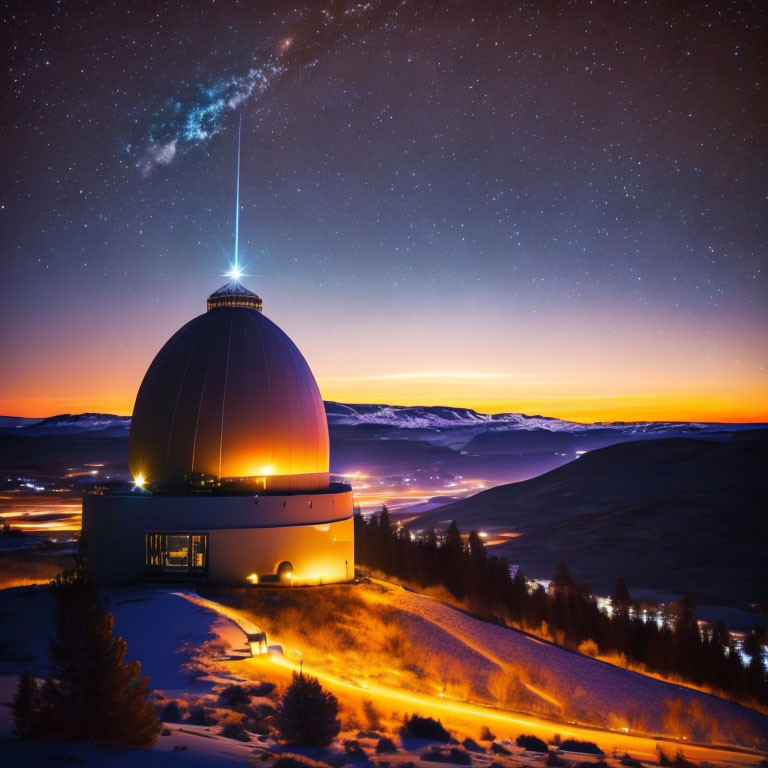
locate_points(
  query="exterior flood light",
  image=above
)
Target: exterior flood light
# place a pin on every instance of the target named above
(139, 481)
(253, 578)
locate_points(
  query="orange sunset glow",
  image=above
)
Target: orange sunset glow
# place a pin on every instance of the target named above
(573, 363)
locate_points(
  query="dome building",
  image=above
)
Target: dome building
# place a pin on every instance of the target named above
(229, 453)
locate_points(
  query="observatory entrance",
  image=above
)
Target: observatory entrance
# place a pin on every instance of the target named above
(176, 554)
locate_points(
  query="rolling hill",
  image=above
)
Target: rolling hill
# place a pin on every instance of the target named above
(673, 516)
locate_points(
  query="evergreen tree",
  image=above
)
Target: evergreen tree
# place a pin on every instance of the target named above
(562, 581)
(308, 714)
(451, 568)
(620, 598)
(519, 602)
(90, 692)
(26, 703)
(755, 673)
(453, 542)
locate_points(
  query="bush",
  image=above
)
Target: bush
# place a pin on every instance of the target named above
(487, 734)
(308, 714)
(499, 749)
(385, 746)
(354, 750)
(372, 715)
(261, 689)
(531, 744)
(587, 747)
(629, 761)
(171, 713)
(235, 696)
(200, 716)
(235, 731)
(472, 745)
(663, 759)
(587, 764)
(417, 727)
(554, 760)
(589, 648)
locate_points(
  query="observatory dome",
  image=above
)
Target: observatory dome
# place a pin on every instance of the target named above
(230, 399)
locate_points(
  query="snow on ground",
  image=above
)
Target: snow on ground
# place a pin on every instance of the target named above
(25, 620)
(164, 626)
(186, 746)
(161, 627)
(600, 688)
(18, 543)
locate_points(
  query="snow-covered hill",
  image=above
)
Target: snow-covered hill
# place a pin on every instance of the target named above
(442, 417)
(66, 424)
(435, 417)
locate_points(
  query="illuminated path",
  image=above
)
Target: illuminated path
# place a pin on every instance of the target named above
(472, 717)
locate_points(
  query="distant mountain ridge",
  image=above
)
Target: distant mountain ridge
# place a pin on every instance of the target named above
(435, 417)
(64, 423)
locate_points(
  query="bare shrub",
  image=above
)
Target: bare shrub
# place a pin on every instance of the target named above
(385, 746)
(354, 750)
(418, 727)
(26, 569)
(235, 731)
(372, 715)
(589, 648)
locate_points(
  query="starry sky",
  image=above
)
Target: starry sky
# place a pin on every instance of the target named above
(546, 207)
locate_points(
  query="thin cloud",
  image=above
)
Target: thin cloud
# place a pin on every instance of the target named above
(431, 376)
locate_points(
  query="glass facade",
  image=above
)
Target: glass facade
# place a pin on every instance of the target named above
(176, 553)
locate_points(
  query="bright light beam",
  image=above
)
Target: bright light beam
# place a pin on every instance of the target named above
(235, 272)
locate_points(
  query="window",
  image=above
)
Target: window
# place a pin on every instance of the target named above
(176, 553)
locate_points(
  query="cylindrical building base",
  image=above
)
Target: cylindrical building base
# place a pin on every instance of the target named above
(291, 540)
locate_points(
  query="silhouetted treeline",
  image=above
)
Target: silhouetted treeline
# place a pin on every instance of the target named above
(570, 612)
